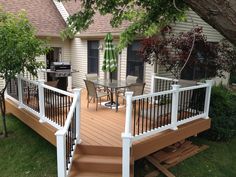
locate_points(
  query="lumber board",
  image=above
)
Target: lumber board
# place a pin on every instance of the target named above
(162, 169)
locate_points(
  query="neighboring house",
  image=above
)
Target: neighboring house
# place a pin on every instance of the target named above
(85, 50)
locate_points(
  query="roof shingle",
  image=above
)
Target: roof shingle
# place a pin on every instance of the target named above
(43, 15)
(101, 24)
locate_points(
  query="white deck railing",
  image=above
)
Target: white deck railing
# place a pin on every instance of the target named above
(59, 108)
(156, 112)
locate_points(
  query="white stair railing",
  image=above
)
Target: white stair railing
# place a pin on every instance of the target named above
(186, 106)
(68, 134)
(68, 137)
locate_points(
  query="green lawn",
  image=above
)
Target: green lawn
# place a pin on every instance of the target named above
(217, 161)
(24, 153)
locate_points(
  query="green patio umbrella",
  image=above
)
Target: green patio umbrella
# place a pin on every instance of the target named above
(110, 57)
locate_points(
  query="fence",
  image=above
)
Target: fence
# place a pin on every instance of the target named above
(58, 108)
(152, 113)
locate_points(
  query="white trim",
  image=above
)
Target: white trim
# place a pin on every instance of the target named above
(190, 119)
(165, 78)
(30, 81)
(151, 132)
(58, 90)
(62, 10)
(152, 94)
(193, 87)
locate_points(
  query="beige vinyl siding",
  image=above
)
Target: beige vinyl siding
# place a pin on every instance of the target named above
(65, 55)
(148, 72)
(79, 61)
(123, 64)
(194, 20)
(101, 58)
(2, 83)
(65, 45)
(212, 35)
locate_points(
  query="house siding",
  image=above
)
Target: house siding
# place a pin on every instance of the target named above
(53, 42)
(194, 20)
(79, 61)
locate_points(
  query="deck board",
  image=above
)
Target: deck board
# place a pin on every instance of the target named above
(102, 127)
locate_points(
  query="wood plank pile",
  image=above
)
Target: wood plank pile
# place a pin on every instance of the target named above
(171, 156)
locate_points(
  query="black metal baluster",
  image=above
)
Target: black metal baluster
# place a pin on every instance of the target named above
(154, 113)
(139, 105)
(146, 121)
(158, 111)
(143, 101)
(134, 112)
(151, 110)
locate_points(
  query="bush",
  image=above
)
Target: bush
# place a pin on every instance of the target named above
(223, 114)
(232, 78)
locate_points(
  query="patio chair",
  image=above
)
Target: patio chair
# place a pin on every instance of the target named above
(52, 83)
(131, 79)
(93, 93)
(136, 88)
(91, 76)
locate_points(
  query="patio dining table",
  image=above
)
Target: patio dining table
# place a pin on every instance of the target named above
(114, 86)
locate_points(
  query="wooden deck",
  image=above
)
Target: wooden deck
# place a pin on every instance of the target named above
(99, 153)
(102, 127)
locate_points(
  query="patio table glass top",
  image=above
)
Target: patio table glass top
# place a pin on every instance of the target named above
(115, 84)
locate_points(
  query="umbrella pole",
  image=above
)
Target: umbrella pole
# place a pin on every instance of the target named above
(111, 76)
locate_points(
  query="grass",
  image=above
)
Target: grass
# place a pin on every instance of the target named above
(217, 161)
(24, 153)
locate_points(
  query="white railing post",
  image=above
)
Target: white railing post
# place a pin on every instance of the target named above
(175, 103)
(77, 92)
(20, 91)
(41, 101)
(153, 83)
(207, 98)
(127, 136)
(61, 153)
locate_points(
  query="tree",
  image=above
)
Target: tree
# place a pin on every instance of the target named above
(191, 48)
(19, 48)
(148, 17)
(220, 14)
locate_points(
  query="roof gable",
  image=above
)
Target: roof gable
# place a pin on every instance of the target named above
(100, 23)
(43, 15)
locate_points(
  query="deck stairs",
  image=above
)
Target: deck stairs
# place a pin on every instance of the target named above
(97, 161)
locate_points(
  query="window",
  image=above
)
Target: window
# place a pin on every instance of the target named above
(135, 65)
(200, 67)
(53, 55)
(93, 56)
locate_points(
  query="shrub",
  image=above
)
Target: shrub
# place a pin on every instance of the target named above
(232, 78)
(223, 114)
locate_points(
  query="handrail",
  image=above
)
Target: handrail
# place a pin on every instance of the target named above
(58, 90)
(166, 78)
(70, 114)
(176, 103)
(68, 137)
(30, 81)
(152, 95)
(68, 134)
(194, 87)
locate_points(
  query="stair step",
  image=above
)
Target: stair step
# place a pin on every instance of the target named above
(95, 174)
(99, 150)
(98, 163)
